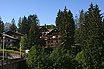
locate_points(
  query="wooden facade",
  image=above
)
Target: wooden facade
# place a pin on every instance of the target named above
(12, 39)
(51, 36)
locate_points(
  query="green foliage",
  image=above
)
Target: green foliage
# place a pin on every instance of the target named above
(29, 27)
(24, 28)
(24, 23)
(34, 35)
(12, 48)
(66, 26)
(86, 61)
(92, 42)
(60, 58)
(24, 43)
(79, 28)
(83, 60)
(11, 51)
(20, 25)
(102, 64)
(37, 58)
(50, 26)
(85, 43)
(1, 26)
(13, 26)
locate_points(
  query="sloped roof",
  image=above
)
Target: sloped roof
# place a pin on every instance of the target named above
(43, 28)
(6, 35)
(50, 30)
(12, 32)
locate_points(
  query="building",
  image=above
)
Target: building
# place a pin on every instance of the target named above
(0, 39)
(12, 39)
(51, 36)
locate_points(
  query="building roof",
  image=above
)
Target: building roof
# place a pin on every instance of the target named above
(11, 37)
(43, 29)
(50, 30)
(12, 32)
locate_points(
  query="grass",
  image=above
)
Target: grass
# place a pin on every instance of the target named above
(11, 51)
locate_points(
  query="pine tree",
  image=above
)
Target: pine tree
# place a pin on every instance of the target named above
(13, 26)
(93, 41)
(30, 20)
(34, 35)
(19, 24)
(103, 30)
(24, 43)
(37, 58)
(1, 26)
(66, 26)
(59, 20)
(76, 22)
(81, 19)
(23, 26)
(79, 30)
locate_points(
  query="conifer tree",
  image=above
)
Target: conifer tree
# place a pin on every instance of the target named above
(66, 26)
(76, 22)
(93, 42)
(19, 24)
(1, 26)
(59, 19)
(103, 30)
(30, 20)
(23, 26)
(34, 35)
(24, 43)
(13, 26)
(79, 30)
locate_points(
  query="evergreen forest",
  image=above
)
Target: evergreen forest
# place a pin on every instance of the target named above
(81, 43)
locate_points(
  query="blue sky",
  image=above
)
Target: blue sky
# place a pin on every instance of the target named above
(46, 10)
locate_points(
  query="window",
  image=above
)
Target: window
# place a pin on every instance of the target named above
(57, 36)
(51, 41)
(48, 41)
